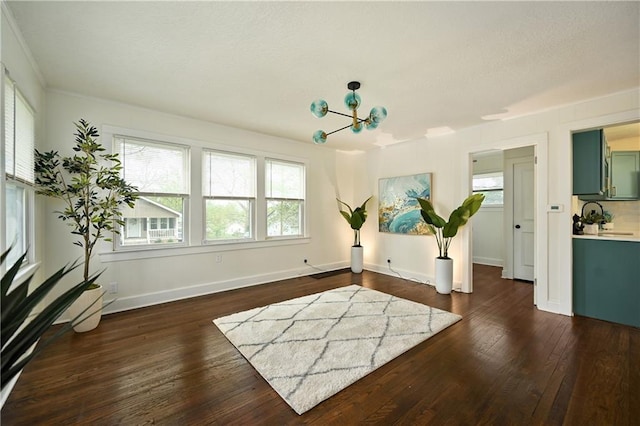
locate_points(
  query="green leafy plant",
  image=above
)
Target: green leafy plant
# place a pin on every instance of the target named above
(22, 326)
(89, 184)
(356, 218)
(444, 231)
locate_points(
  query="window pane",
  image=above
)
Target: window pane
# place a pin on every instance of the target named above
(153, 220)
(25, 135)
(284, 180)
(485, 181)
(154, 167)
(228, 219)
(284, 218)
(16, 222)
(9, 114)
(228, 175)
(492, 197)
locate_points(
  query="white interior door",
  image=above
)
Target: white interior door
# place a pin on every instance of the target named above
(523, 220)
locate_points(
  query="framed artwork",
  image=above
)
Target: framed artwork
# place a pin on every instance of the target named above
(398, 208)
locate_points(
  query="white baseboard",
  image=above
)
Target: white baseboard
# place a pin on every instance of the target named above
(488, 261)
(120, 304)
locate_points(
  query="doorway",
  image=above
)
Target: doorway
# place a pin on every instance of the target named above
(538, 144)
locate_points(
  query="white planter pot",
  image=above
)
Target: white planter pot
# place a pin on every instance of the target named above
(591, 229)
(444, 275)
(92, 314)
(357, 253)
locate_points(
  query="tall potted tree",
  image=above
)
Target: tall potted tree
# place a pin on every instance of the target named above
(90, 186)
(444, 231)
(356, 218)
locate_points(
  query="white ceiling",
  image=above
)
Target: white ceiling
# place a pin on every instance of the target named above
(259, 65)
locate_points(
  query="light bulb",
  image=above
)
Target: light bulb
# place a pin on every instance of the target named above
(378, 114)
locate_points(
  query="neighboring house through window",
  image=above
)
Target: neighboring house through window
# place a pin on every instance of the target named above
(161, 173)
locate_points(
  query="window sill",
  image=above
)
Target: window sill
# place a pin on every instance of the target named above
(150, 252)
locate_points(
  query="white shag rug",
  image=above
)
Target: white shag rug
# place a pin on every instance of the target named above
(310, 348)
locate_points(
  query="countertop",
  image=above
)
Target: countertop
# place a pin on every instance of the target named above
(611, 236)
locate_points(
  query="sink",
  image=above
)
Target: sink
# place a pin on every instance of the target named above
(614, 233)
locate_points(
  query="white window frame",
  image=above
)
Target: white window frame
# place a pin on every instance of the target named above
(252, 200)
(194, 209)
(9, 177)
(302, 201)
(185, 197)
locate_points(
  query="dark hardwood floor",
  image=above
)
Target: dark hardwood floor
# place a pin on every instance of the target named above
(505, 363)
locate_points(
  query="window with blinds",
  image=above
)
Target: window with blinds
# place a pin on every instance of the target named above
(491, 185)
(285, 198)
(229, 193)
(19, 143)
(160, 171)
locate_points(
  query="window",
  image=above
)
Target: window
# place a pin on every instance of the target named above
(229, 191)
(285, 196)
(19, 141)
(491, 185)
(160, 171)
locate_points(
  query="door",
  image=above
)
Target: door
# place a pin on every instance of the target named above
(523, 220)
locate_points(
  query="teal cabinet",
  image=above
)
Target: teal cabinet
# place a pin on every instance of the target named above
(625, 174)
(606, 280)
(589, 164)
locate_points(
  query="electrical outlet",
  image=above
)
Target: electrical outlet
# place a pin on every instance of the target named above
(219, 258)
(113, 287)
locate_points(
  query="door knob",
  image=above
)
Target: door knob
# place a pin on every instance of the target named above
(517, 226)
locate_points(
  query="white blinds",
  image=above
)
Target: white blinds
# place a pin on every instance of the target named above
(19, 134)
(284, 180)
(228, 175)
(153, 167)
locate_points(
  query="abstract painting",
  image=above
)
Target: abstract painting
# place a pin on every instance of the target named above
(399, 211)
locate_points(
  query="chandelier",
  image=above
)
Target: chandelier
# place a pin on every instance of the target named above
(352, 100)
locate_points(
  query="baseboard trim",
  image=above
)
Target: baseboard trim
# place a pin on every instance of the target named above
(489, 261)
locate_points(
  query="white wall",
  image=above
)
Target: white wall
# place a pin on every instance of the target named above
(187, 273)
(447, 157)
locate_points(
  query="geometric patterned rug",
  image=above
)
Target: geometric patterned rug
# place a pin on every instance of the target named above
(310, 348)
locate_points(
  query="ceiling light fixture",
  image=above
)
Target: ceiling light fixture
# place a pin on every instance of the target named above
(320, 108)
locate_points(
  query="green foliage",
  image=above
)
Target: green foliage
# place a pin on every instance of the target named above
(356, 218)
(89, 184)
(443, 230)
(21, 326)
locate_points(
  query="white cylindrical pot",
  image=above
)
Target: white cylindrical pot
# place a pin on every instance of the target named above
(357, 255)
(444, 275)
(93, 311)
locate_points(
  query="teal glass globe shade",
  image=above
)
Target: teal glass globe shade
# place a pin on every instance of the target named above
(352, 101)
(378, 114)
(356, 128)
(319, 108)
(319, 137)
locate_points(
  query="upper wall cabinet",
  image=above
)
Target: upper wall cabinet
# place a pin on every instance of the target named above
(606, 163)
(625, 174)
(589, 165)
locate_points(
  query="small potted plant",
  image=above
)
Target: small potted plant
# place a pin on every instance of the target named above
(444, 231)
(356, 218)
(89, 185)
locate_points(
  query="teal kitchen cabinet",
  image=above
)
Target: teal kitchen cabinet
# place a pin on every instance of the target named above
(590, 166)
(606, 280)
(625, 175)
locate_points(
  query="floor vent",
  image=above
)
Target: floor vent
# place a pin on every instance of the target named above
(330, 273)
